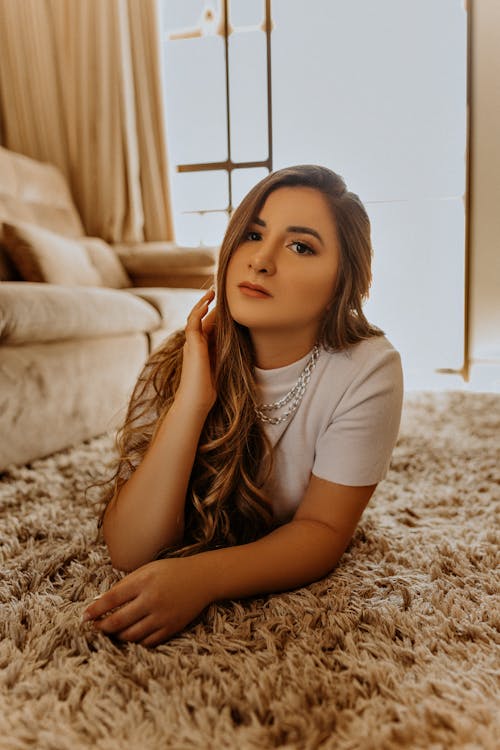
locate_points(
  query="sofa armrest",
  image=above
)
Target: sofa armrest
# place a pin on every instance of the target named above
(167, 264)
(32, 312)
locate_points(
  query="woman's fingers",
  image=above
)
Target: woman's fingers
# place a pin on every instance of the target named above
(207, 297)
(203, 301)
(208, 322)
(122, 618)
(139, 630)
(199, 311)
(117, 598)
(159, 636)
(111, 600)
(196, 374)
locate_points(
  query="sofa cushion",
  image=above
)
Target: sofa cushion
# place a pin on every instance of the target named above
(32, 313)
(36, 192)
(41, 255)
(173, 305)
(105, 260)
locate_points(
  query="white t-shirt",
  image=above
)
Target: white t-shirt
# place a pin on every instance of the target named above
(346, 425)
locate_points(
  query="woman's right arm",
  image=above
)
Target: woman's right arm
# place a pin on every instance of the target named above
(147, 514)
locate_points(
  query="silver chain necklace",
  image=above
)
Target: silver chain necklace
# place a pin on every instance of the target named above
(295, 394)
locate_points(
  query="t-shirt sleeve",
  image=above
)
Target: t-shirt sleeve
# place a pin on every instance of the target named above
(356, 447)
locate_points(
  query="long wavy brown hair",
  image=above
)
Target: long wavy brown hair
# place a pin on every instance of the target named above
(226, 502)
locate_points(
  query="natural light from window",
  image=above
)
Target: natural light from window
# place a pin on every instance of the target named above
(373, 89)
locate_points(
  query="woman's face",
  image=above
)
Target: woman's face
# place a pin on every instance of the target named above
(282, 276)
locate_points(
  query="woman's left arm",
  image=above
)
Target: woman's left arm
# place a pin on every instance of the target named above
(161, 598)
(295, 554)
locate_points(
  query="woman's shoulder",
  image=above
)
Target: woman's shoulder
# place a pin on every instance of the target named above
(367, 352)
(368, 368)
(370, 363)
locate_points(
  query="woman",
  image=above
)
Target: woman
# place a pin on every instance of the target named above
(255, 438)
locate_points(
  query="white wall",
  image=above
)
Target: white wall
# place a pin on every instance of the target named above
(485, 190)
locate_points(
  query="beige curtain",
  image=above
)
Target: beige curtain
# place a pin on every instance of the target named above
(81, 86)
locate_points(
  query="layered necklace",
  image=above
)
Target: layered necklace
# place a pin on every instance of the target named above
(294, 395)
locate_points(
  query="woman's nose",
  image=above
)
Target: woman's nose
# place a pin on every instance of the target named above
(262, 260)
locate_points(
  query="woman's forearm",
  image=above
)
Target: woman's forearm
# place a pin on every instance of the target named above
(148, 512)
(293, 555)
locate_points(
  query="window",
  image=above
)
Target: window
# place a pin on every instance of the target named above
(374, 89)
(218, 91)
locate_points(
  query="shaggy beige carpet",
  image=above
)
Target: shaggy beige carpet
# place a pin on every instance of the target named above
(398, 647)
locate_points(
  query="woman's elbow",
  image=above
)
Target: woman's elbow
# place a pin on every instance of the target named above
(120, 553)
(126, 551)
(120, 559)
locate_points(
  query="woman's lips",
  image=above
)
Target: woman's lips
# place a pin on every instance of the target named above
(253, 290)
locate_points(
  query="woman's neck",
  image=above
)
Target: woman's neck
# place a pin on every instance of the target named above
(272, 351)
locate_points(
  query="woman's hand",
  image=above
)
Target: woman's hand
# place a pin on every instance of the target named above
(197, 384)
(155, 601)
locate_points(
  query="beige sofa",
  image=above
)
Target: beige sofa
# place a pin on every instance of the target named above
(78, 317)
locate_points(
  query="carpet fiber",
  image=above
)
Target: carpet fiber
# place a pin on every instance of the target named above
(398, 647)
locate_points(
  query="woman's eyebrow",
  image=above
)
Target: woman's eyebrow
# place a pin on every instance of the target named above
(303, 230)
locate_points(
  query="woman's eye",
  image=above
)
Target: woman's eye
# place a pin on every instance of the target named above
(302, 248)
(253, 236)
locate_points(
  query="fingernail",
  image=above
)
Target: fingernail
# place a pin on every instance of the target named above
(86, 617)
